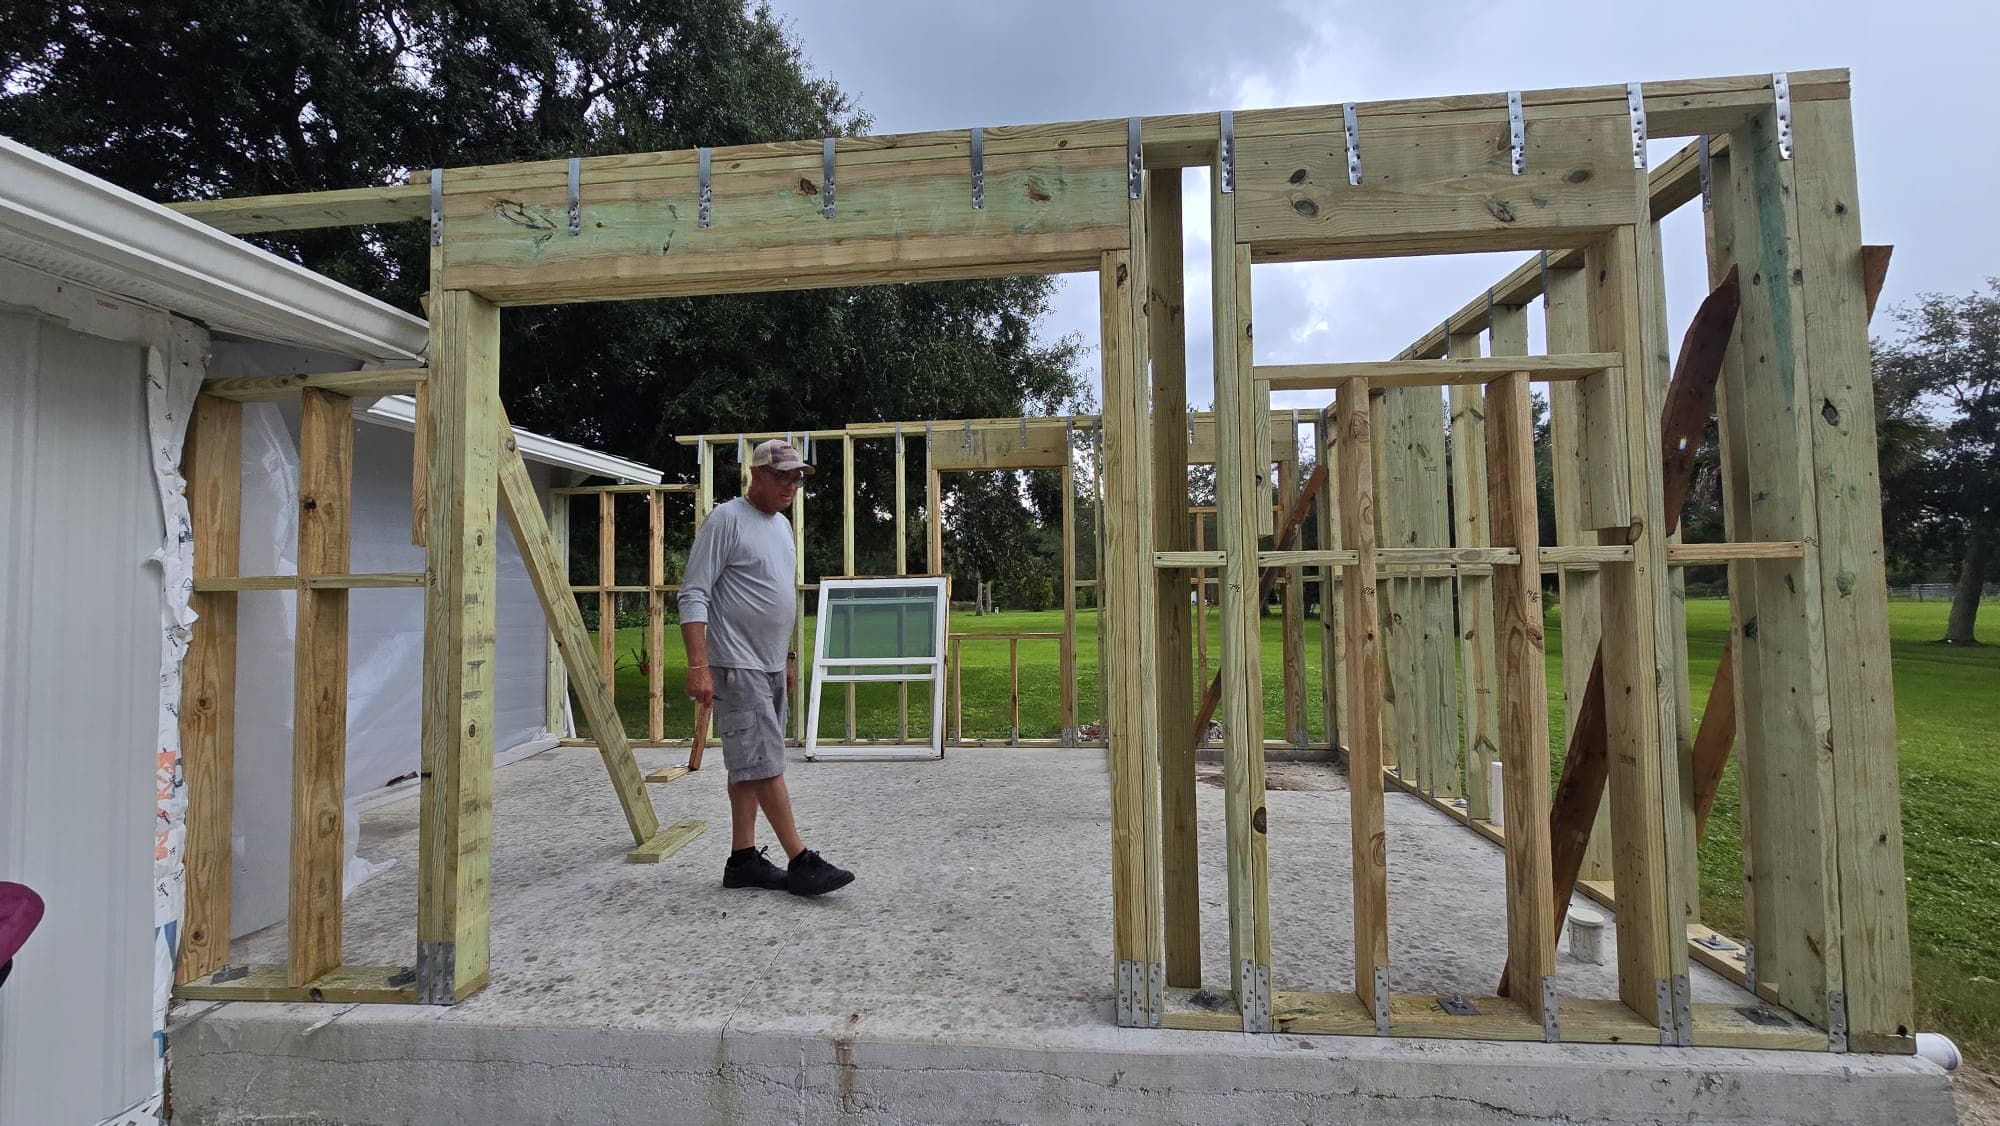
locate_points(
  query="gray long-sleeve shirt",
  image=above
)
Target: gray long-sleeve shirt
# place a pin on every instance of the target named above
(739, 581)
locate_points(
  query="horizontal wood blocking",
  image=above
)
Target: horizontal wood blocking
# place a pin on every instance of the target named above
(1692, 554)
(1424, 556)
(267, 983)
(1468, 371)
(310, 582)
(278, 388)
(585, 490)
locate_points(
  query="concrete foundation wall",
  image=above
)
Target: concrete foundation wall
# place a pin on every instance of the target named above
(410, 1067)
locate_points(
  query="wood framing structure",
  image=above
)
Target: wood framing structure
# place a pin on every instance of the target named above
(1427, 557)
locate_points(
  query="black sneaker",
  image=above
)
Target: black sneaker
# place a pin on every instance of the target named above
(812, 875)
(750, 868)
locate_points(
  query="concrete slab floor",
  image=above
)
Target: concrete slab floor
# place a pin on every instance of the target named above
(980, 917)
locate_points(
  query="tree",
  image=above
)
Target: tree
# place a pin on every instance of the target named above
(204, 98)
(1946, 366)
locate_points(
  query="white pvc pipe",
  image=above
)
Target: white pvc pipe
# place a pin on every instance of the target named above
(1939, 1050)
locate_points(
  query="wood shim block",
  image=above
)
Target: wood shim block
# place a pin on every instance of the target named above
(667, 774)
(667, 842)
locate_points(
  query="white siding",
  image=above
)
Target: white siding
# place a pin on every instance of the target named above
(80, 649)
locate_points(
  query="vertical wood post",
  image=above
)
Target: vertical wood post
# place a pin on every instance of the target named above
(847, 542)
(1066, 654)
(558, 673)
(1173, 667)
(1362, 656)
(1853, 586)
(1129, 584)
(319, 687)
(1243, 495)
(607, 600)
(212, 462)
(902, 568)
(1292, 608)
(455, 835)
(1644, 779)
(656, 614)
(1523, 682)
(1333, 686)
(1567, 323)
(1472, 527)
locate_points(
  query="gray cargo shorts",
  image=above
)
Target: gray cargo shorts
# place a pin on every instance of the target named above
(750, 711)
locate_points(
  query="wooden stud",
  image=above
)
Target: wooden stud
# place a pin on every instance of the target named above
(1472, 527)
(1292, 617)
(213, 466)
(1361, 654)
(1522, 679)
(1173, 667)
(1243, 488)
(656, 615)
(902, 568)
(1567, 325)
(1644, 780)
(607, 601)
(455, 834)
(798, 715)
(319, 694)
(1066, 655)
(847, 542)
(557, 707)
(420, 463)
(1333, 687)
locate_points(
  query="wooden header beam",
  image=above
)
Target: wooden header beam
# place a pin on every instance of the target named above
(1678, 108)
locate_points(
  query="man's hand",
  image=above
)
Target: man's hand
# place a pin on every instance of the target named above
(791, 675)
(701, 689)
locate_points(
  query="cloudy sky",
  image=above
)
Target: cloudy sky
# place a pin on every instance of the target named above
(1926, 135)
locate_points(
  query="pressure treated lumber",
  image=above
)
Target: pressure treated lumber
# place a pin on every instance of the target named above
(1361, 653)
(531, 532)
(1174, 665)
(1522, 678)
(1674, 108)
(1458, 371)
(1472, 528)
(1853, 587)
(1586, 765)
(1295, 516)
(1242, 495)
(319, 689)
(281, 388)
(455, 841)
(212, 462)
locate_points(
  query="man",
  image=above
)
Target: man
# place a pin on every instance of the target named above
(736, 617)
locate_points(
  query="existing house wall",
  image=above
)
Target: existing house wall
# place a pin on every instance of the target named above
(80, 652)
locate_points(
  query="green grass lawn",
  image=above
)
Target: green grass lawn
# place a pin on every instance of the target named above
(1950, 769)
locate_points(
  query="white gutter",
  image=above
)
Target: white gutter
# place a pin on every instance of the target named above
(75, 225)
(400, 411)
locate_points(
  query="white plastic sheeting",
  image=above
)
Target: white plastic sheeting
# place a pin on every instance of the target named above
(385, 650)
